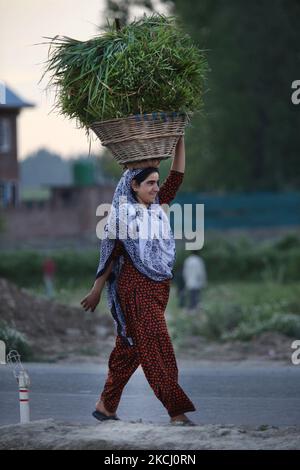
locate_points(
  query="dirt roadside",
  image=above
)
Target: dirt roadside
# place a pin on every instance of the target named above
(48, 434)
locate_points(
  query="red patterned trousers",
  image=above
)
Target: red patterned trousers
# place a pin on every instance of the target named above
(143, 302)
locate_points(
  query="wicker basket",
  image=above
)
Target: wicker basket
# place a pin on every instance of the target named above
(142, 136)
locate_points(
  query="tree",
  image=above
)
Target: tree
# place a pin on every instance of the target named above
(121, 9)
(248, 138)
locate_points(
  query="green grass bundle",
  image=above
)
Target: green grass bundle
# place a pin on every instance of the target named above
(150, 65)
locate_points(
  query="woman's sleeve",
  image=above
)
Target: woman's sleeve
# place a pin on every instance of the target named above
(170, 187)
(117, 251)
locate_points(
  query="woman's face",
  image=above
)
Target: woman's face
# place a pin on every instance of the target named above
(148, 189)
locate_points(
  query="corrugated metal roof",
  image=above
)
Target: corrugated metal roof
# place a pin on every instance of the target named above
(9, 99)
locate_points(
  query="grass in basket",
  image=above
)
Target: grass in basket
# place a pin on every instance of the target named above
(149, 65)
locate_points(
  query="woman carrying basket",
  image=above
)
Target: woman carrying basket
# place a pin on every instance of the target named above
(136, 265)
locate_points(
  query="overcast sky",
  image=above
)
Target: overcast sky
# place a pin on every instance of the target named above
(23, 23)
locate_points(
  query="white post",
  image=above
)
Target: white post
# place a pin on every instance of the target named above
(2, 352)
(22, 377)
(23, 381)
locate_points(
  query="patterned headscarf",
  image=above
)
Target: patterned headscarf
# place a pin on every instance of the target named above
(147, 238)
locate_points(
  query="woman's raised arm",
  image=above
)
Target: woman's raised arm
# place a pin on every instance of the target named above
(179, 158)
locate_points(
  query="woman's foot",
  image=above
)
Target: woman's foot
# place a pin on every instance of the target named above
(181, 420)
(100, 407)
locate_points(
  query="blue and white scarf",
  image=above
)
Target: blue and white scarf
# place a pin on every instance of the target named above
(147, 238)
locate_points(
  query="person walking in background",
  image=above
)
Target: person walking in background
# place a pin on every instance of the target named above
(195, 278)
(138, 271)
(180, 286)
(49, 269)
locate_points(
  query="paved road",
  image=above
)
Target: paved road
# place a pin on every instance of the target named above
(222, 394)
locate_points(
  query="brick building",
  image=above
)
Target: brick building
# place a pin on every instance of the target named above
(10, 107)
(70, 212)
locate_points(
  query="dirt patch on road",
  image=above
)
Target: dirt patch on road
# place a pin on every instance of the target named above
(54, 331)
(269, 346)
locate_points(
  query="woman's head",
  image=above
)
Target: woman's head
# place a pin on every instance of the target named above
(145, 185)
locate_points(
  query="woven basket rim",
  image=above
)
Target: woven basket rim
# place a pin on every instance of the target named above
(138, 159)
(131, 116)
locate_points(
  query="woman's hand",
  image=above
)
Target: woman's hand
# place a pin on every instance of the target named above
(91, 300)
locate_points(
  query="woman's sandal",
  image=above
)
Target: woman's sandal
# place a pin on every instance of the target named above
(102, 417)
(182, 423)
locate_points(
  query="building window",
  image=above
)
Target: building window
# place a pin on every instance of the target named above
(5, 135)
(8, 194)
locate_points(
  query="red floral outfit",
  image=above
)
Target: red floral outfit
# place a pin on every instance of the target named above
(143, 302)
